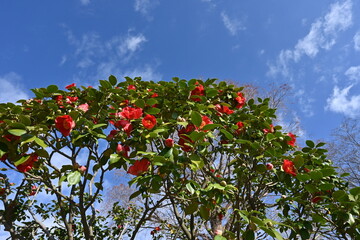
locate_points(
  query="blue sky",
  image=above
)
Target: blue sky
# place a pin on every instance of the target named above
(314, 46)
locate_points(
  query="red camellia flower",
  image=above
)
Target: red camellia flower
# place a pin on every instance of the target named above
(157, 228)
(139, 167)
(125, 125)
(289, 168)
(3, 157)
(169, 142)
(240, 100)
(198, 91)
(64, 124)
(149, 121)
(71, 99)
(11, 138)
(120, 149)
(293, 139)
(131, 113)
(83, 107)
(270, 130)
(70, 86)
(185, 139)
(316, 199)
(131, 87)
(28, 165)
(240, 126)
(205, 121)
(223, 109)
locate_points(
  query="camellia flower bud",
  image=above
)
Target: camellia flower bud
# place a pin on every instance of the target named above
(269, 166)
(169, 142)
(82, 169)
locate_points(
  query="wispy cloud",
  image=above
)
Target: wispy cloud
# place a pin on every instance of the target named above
(341, 102)
(353, 73)
(84, 2)
(233, 25)
(97, 58)
(357, 41)
(11, 88)
(145, 6)
(322, 35)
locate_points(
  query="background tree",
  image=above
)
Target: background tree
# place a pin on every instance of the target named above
(344, 150)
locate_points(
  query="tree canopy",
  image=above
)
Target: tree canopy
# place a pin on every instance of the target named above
(204, 163)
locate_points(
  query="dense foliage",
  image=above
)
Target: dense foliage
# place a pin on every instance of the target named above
(206, 163)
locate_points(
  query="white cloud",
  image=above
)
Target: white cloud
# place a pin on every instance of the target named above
(90, 48)
(234, 25)
(85, 2)
(131, 44)
(353, 73)
(357, 41)
(63, 60)
(305, 102)
(97, 58)
(322, 35)
(340, 102)
(11, 87)
(144, 6)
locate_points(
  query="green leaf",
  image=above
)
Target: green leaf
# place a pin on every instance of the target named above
(277, 235)
(25, 120)
(196, 118)
(326, 186)
(114, 158)
(248, 235)
(310, 144)
(112, 80)
(190, 188)
(151, 101)
(153, 110)
(105, 84)
(40, 142)
(355, 191)
(21, 160)
(219, 237)
(311, 188)
(26, 138)
(211, 92)
(52, 88)
(339, 194)
(196, 162)
(227, 134)
(316, 175)
(298, 161)
(17, 132)
(191, 208)
(210, 126)
(134, 195)
(73, 177)
(303, 177)
(140, 103)
(99, 125)
(204, 212)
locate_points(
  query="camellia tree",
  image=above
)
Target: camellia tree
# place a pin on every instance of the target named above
(204, 163)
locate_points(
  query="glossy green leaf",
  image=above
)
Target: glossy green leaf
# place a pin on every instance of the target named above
(227, 134)
(196, 118)
(40, 142)
(22, 160)
(190, 209)
(73, 177)
(112, 80)
(17, 132)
